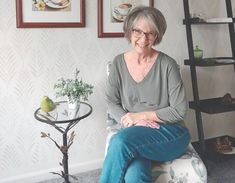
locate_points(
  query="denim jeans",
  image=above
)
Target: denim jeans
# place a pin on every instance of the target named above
(132, 149)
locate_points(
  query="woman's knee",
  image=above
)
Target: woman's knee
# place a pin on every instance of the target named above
(139, 171)
(119, 139)
(119, 142)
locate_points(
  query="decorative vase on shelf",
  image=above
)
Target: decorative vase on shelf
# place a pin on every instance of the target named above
(73, 108)
(198, 53)
(74, 104)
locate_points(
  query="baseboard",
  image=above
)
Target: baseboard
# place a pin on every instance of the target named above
(38, 176)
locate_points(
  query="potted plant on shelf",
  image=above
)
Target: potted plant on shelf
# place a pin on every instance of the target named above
(73, 89)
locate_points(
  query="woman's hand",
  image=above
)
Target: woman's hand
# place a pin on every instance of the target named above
(138, 119)
(148, 123)
(130, 119)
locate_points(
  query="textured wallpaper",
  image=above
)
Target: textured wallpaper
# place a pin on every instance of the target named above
(31, 60)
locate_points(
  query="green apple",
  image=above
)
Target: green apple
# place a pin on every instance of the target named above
(47, 104)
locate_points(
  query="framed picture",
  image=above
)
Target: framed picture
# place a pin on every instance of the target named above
(50, 13)
(111, 14)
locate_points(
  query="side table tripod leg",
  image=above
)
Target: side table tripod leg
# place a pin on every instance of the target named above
(65, 159)
(65, 166)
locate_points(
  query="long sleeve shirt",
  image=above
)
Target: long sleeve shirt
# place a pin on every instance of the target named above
(161, 91)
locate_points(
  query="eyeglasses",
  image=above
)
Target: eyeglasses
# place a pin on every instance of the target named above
(139, 33)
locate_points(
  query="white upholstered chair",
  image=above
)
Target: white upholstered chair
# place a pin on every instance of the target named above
(188, 168)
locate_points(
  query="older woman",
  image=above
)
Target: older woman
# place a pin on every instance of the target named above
(145, 95)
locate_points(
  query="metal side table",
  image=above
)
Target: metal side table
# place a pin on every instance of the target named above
(63, 119)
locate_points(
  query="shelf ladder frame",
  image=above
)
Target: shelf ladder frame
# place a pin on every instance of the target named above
(231, 27)
(194, 80)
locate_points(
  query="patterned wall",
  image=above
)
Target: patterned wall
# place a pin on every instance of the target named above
(31, 60)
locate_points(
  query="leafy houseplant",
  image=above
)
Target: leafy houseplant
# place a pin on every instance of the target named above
(74, 89)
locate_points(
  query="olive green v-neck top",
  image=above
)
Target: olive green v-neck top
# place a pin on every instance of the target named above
(161, 90)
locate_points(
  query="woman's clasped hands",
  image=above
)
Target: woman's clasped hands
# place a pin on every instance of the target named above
(138, 119)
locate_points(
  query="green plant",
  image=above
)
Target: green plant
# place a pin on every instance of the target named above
(75, 89)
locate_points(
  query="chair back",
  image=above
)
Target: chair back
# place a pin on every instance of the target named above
(108, 67)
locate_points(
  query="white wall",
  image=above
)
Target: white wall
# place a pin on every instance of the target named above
(31, 60)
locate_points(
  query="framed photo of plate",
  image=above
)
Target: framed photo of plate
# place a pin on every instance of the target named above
(50, 13)
(112, 13)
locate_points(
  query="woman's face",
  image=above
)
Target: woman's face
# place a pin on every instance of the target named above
(143, 36)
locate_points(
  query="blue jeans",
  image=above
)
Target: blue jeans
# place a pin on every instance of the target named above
(132, 149)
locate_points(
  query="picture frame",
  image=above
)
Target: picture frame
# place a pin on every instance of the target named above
(50, 13)
(110, 22)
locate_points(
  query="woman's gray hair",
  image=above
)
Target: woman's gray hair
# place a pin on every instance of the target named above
(150, 14)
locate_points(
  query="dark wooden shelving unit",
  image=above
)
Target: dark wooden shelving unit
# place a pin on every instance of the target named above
(211, 152)
(199, 21)
(207, 62)
(211, 105)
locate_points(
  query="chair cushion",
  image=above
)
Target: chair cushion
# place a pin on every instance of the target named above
(187, 168)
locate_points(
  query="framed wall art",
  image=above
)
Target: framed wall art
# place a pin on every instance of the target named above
(50, 13)
(111, 14)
